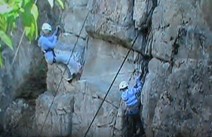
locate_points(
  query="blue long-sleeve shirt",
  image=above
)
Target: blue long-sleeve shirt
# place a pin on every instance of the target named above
(46, 44)
(130, 95)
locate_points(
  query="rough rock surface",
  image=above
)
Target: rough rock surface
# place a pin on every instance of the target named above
(90, 90)
(112, 21)
(178, 86)
(25, 78)
(19, 119)
(54, 114)
(22, 77)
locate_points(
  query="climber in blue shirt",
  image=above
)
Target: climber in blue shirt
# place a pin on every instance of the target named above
(47, 42)
(132, 103)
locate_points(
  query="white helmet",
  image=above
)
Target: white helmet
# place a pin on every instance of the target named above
(123, 85)
(46, 26)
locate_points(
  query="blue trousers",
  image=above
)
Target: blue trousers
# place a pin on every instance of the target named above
(63, 57)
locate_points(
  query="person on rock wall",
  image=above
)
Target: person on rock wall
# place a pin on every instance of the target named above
(47, 42)
(130, 97)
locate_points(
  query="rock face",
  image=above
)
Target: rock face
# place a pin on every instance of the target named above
(89, 92)
(23, 77)
(171, 43)
(178, 85)
(54, 115)
(102, 61)
(112, 21)
(20, 75)
(18, 119)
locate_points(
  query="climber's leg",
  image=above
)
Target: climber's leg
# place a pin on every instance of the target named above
(73, 66)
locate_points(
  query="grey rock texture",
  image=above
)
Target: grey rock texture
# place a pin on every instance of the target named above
(20, 79)
(184, 108)
(112, 21)
(178, 84)
(89, 91)
(18, 119)
(54, 114)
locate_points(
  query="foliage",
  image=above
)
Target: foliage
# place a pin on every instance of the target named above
(27, 11)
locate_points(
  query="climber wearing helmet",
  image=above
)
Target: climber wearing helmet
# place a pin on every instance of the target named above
(47, 42)
(132, 103)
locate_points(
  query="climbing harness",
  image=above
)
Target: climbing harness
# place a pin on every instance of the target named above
(112, 84)
(63, 75)
(54, 55)
(78, 36)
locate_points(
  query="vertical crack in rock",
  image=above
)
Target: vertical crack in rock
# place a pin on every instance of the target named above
(180, 34)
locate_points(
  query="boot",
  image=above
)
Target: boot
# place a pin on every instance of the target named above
(69, 79)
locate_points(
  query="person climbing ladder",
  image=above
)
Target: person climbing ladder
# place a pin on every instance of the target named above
(47, 42)
(132, 106)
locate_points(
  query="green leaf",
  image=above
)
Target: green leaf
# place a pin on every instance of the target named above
(60, 2)
(27, 30)
(31, 31)
(19, 3)
(51, 2)
(27, 19)
(34, 11)
(3, 23)
(36, 29)
(6, 39)
(1, 59)
(25, 2)
(22, 10)
(11, 20)
(35, 14)
(10, 11)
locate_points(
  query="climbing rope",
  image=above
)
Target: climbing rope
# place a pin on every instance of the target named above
(63, 74)
(111, 85)
(120, 101)
(20, 43)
